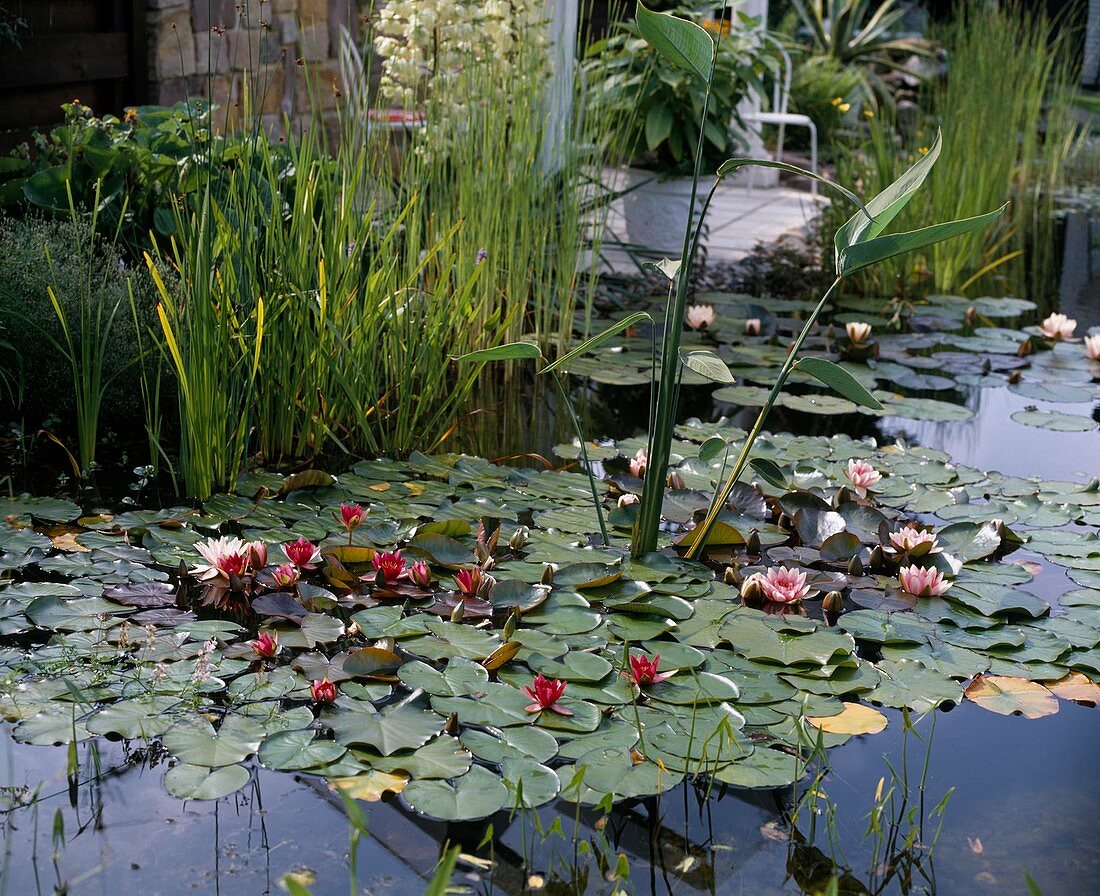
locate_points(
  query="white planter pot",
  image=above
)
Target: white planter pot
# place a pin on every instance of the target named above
(655, 212)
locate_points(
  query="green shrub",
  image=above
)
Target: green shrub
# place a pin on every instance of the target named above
(32, 327)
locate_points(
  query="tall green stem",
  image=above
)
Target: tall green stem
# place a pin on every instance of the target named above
(664, 417)
(723, 494)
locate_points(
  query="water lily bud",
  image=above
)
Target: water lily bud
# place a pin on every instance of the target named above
(752, 545)
(732, 576)
(451, 725)
(878, 557)
(481, 551)
(352, 629)
(971, 315)
(488, 563)
(487, 585)
(752, 589)
(519, 538)
(459, 611)
(547, 574)
(832, 602)
(855, 566)
(1000, 528)
(1014, 377)
(511, 624)
(843, 496)
(986, 366)
(675, 480)
(785, 522)
(1092, 485)
(235, 583)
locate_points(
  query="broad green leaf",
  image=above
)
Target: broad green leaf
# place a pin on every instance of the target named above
(769, 471)
(868, 223)
(679, 41)
(839, 380)
(597, 340)
(476, 794)
(707, 364)
(510, 351)
(197, 782)
(658, 125)
(862, 254)
(711, 448)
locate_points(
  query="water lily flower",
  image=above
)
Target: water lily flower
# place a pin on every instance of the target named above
(420, 574)
(1057, 327)
(351, 515)
(1092, 347)
(628, 499)
(862, 475)
(922, 581)
(389, 566)
(643, 670)
(302, 553)
(857, 331)
(286, 575)
(257, 554)
(753, 326)
(639, 462)
(914, 542)
(699, 317)
(469, 580)
(266, 644)
(784, 585)
(546, 692)
(224, 557)
(322, 691)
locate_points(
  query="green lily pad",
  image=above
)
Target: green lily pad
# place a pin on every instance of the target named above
(200, 782)
(477, 794)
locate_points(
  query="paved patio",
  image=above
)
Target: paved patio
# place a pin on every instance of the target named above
(739, 219)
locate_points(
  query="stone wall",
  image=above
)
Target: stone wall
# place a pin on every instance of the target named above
(227, 50)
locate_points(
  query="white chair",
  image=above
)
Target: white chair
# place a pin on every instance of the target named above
(778, 115)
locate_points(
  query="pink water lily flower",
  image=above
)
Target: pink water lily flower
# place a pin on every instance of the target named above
(302, 553)
(546, 692)
(784, 585)
(862, 475)
(643, 670)
(1057, 327)
(224, 556)
(469, 580)
(699, 317)
(922, 581)
(857, 331)
(351, 515)
(914, 542)
(266, 644)
(1092, 347)
(639, 462)
(257, 554)
(420, 574)
(322, 691)
(753, 326)
(286, 575)
(389, 566)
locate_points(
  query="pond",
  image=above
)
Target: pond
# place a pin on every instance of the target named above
(951, 800)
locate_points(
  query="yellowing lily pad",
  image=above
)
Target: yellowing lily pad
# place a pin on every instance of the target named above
(1076, 687)
(1009, 696)
(855, 718)
(371, 786)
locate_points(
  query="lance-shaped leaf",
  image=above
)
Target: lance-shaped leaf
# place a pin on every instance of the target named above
(597, 340)
(839, 380)
(711, 448)
(510, 351)
(681, 42)
(866, 224)
(769, 471)
(867, 253)
(707, 364)
(733, 164)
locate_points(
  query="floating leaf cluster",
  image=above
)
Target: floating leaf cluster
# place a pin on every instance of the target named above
(103, 632)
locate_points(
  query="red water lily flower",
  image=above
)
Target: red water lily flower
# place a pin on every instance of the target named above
(469, 580)
(351, 515)
(266, 644)
(420, 574)
(643, 670)
(322, 691)
(389, 566)
(546, 692)
(286, 575)
(302, 553)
